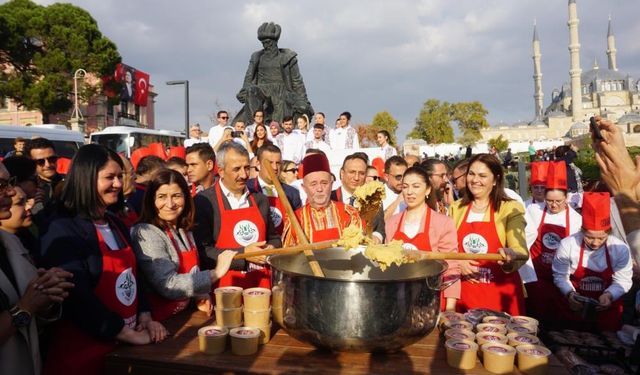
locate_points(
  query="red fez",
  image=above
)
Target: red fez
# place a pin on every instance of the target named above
(557, 175)
(596, 211)
(378, 164)
(315, 163)
(157, 149)
(138, 154)
(178, 151)
(539, 172)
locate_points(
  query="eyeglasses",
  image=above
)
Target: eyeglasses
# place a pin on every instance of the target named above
(224, 118)
(397, 177)
(454, 179)
(7, 184)
(375, 178)
(292, 170)
(51, 159)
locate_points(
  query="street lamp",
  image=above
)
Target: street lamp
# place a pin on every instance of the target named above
(77, 121)
(186, 103)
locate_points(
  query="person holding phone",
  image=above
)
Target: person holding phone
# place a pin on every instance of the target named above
(593, 265)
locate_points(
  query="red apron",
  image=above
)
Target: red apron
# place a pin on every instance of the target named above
(75, 352)
(496, 290)
(276, 210)
(163, 308)
(420, 241)
(239, 228)
(592, 284)
(543, 297)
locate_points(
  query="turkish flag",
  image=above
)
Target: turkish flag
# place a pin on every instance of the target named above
(142, 88)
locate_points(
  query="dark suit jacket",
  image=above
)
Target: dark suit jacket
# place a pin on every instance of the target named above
(207, 229)
(293, 195)
(71, 243)
(378, 221)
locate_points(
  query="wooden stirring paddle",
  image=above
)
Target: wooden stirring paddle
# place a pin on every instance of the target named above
(289, 250)
(302, 238)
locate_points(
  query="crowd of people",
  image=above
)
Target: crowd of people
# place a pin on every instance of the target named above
(106, 253)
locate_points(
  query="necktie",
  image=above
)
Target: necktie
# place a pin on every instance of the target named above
(352, 200)
(270, 190)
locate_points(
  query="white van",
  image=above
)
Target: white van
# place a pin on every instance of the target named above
(66, 141)
(125, 139)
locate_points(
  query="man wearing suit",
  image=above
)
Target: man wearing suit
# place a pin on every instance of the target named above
(229, 216)
(263, 184)
(352, 175)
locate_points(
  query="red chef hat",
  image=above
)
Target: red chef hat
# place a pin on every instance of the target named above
(178, 151)
(596, 211)
(378, 164)
(315, 163)
(557, 175)
(539, 172)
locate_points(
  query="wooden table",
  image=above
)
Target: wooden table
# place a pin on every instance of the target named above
(283, 355)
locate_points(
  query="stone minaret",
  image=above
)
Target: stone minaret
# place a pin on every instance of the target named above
(575, 71)
(537, 74)
(611, 48)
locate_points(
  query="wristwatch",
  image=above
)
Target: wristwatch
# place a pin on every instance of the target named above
(19, 318)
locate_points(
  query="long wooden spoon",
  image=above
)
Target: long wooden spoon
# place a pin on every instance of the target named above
(302, 238)
(289, 250)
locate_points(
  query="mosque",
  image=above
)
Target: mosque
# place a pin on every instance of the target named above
(609, 92)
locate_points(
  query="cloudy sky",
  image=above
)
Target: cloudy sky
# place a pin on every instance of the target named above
(365, 56)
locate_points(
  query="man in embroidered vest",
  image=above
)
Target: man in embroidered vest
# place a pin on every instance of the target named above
(321, 218)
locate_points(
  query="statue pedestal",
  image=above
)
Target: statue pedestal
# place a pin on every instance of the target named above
(77, 124)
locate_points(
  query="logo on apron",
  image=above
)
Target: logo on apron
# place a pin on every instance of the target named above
(276, 216)
(409, 246)
(475, 244)
(245, 232)
(126, 290)
(551, 240)
(592, 284)
(547, 257)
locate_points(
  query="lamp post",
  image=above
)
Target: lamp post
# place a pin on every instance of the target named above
(77, 121)
(186, 102)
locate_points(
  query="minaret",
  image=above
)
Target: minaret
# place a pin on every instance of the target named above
(575, 71)
(611, 48)
(537, 74)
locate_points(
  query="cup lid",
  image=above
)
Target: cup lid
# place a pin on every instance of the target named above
(245, 332)
(461, 334)
(461, 345)
(495, 320)
(533, 350)
(497, 348)
(256, 292)
(523, 338)
(257, 311)
(213, 331)
(219, 308)
(490, 327)
(520, 328)
(522, 320)
(491, 336)
(227, 289)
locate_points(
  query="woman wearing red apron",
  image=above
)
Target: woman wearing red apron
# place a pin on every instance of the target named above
(165, 249)
(106, 305)
(420, 227)
(489, 222)
(549, 224)
(593, 264)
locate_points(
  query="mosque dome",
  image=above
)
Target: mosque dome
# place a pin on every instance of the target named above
(578, 129)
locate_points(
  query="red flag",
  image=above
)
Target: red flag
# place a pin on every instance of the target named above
(142, 88)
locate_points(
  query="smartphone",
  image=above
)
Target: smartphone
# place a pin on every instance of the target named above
(595, 130)
(237, 133)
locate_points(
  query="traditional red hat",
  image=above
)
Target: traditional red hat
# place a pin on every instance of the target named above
(138, 154)
(315, 163)
(539, 172)
(157, 149)
(596, 211)
(178, 151)
(557, 175)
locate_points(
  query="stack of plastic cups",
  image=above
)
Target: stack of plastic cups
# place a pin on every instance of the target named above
(277, 307)
(257, 311)
(228, 306)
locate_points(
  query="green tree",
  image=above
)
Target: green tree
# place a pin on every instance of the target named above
(42, 47)
(499, 143)
(384, 121)
(471, 118)
(434, 122)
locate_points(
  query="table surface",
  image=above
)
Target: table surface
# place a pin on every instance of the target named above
(179, 354)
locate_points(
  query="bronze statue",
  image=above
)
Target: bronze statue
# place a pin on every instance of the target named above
(273, 82)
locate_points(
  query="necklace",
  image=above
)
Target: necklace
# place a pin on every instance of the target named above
(478, 208)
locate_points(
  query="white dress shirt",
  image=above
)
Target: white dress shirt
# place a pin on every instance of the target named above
(346, 199)
(567, 256)
(235, 203)
(389, 197)
(292, 146)
(215, 133)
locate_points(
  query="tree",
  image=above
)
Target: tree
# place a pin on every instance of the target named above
(384, 121)
(471, 118)
(499, 143)
(42, 47)
(434, 122)
(366, 135)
